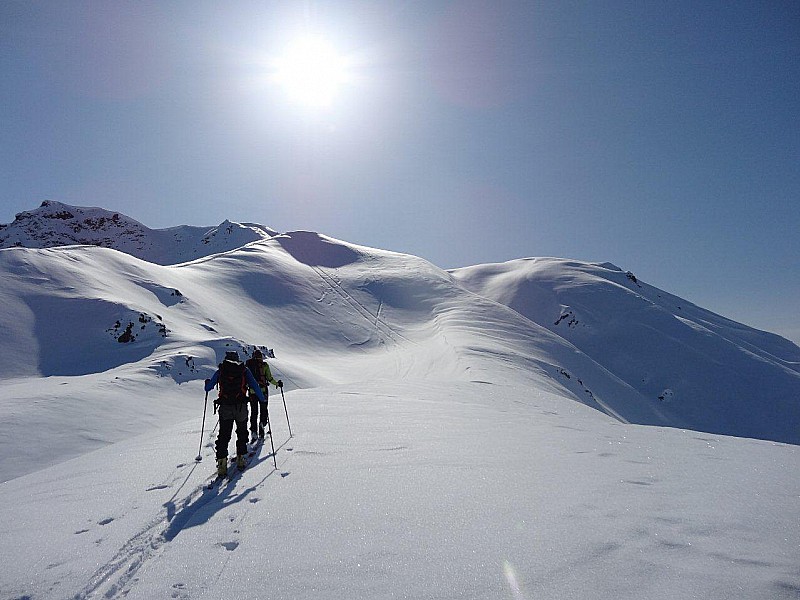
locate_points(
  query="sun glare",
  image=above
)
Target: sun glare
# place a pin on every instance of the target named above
(311, 71)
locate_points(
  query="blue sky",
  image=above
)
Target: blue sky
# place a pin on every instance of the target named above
(661, 136)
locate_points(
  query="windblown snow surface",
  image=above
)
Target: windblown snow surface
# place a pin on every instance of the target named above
(538, 429)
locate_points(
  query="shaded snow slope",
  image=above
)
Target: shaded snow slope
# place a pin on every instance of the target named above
(57, 224)
(710, 373)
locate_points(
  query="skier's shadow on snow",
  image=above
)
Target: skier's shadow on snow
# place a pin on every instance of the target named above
(197, 508)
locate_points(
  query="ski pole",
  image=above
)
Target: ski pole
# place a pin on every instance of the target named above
(202, 430)
(271, 441)
(287, 412)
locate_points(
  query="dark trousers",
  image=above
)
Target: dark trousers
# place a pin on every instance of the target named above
(257, 419)
(228, 415)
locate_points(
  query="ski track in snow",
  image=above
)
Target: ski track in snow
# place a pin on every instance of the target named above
(383, 329)
(385, 332)
(113, 578)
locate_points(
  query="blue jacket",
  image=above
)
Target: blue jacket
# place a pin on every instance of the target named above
(210, 383)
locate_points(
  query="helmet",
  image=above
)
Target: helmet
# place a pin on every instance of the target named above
(257, 354)
(232, 355)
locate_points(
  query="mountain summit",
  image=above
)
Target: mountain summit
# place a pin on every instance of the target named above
(56, 224)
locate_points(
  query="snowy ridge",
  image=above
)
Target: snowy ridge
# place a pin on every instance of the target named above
(354, 313)
(707, 371)
(56, 224)
(342, 313)
(468, 434)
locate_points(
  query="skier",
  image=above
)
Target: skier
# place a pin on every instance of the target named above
(263, 375)
(233, 378)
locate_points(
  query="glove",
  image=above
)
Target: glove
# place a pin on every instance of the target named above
(280, 383)
(208, 381)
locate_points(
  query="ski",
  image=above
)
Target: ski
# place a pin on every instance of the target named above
(254, 450)
(215, 481)
(233, 470)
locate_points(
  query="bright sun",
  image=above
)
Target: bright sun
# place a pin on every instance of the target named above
(311, 71)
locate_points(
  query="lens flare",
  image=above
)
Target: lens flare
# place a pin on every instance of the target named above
(511, 578)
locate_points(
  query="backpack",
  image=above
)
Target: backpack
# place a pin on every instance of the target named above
(257, 369)
(232, 382)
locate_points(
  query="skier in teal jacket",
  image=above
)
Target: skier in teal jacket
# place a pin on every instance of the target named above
(261, 371)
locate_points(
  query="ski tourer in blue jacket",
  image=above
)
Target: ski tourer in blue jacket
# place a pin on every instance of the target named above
(251, 381)
(234, 380)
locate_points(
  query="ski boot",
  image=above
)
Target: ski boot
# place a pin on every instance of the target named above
(222, 467)
(240, 462)
(261, 432)
(253, 435)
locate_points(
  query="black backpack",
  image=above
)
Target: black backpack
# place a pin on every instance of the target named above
(232, 382)
(256, 367)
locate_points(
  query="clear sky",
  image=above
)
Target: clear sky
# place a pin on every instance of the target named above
(661, 136)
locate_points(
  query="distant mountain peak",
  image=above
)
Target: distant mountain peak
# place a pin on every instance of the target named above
(57, 224)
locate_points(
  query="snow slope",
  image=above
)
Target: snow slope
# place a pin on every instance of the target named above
(455, 434)
(414, 490)
(336, 313)
(709, 373)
